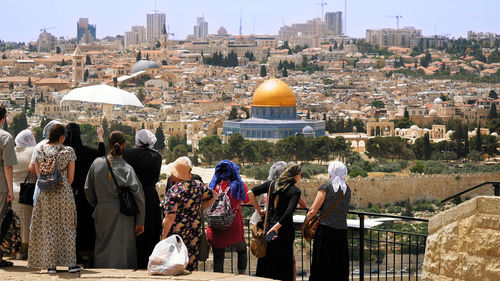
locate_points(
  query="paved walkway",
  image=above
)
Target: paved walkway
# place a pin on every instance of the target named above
(20, 272)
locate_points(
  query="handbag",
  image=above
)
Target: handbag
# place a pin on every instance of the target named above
(10, 232)
(128, 206)
(204, 246)
(312, 225)
(26, 191)
(258, 242)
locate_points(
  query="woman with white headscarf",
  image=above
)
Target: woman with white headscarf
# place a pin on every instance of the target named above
(330, 259)
(25, 144)
(147, 165)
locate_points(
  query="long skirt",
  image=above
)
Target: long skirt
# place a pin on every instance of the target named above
(53, 230)
(147, 241)
(278, 262)
(330, 259)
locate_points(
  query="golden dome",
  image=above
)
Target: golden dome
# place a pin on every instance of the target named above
(274, 93)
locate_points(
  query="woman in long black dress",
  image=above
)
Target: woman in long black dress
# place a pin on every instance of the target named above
(85, 229)
(283, 200)
(330, 258)
(147, 165)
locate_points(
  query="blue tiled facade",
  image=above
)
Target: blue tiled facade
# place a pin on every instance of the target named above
(257, 128)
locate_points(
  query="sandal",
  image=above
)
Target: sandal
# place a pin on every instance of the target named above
(5, 263)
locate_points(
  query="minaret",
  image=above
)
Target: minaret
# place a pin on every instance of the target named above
(78, 67)
(164, 44)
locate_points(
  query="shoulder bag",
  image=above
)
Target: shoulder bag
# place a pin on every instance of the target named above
(312, 225)
(128, 206)
(258, 242)
(26, 191)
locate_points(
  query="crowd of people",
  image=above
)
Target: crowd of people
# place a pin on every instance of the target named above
(81, 222)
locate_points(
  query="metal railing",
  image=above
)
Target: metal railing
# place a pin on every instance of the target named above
(374, 254)
(494, 184)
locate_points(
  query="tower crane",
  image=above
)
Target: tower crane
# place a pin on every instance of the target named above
(44, 29)
(322, 4)
(397, 19)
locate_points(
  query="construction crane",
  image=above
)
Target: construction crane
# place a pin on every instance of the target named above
(397, 19)
(44, 29)
(322, 4)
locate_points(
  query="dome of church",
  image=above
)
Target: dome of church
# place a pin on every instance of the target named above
(143, 65)
(433, 112)
(438, 101)
(307, 130)
(274, 93)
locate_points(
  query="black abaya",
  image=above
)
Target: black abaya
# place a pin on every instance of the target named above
(147, 165)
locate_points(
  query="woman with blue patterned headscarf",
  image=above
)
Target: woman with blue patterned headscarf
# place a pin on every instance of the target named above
(226, 176)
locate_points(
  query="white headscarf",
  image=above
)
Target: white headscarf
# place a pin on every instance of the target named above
(47, 127)
(25, 138)
(337, 172)
(145, 137)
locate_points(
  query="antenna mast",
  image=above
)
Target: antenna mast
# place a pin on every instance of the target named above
(241, 28)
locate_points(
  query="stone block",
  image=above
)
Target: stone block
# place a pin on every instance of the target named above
(488, 205)
(492, 269)
(463, 210)
(473, 268)
(488, 221)
(449, 236)
(202, 276)
(450, 265)
(435, 223)
(432, 254)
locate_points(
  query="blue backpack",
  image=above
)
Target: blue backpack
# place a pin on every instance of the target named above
(49, 177)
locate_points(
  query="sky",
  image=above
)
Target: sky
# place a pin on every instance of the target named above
(21, 20)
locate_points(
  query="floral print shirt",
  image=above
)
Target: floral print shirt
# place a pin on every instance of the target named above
(184, 200)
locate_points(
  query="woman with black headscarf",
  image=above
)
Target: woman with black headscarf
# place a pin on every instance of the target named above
(85, 229)
(147, 165)
(283, 199)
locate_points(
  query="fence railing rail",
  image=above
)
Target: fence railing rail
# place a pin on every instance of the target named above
(373, 252)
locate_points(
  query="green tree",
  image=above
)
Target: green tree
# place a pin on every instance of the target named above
(284, 73)
(263, 71)
(87, 60)
(210, 149)
(478, 143)
(179, 151)
(11, 86)
(494, 57)
(58, 50)
(233, 114)
(236, 142)
(244, 109)
(29, 82)
(380, 63)
(160, 138)
(493, 111)
(85, 75)
(63, 62)
(427, 147)
(33, 104)
(378, 104)
(406, 114)
(389, 148)
(493, 95)
(26, 104)
(139, 56)
(249, 152)
(105, 127)
(19, 123)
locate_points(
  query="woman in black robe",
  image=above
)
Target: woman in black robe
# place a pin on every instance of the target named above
(147, 165)
(283, 200)
(85, 229)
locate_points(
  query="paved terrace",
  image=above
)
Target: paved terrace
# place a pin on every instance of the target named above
(20, 272)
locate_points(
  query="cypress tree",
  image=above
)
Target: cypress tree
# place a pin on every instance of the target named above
(263, 71)
(160, 138)
(493, 111)
(479, 141)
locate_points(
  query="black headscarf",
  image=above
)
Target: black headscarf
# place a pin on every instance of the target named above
(73, 138)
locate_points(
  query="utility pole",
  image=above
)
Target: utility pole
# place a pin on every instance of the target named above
(241, 28)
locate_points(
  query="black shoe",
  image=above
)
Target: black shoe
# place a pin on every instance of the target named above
(52, 270)
(4, 263)
(74, 269)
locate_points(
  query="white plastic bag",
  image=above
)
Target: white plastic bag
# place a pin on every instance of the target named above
(169, 257)
(255, 218)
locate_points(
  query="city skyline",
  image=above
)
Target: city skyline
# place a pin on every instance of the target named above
(115, 17)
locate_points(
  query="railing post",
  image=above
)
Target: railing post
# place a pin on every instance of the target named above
(361, 247)
(496, 186)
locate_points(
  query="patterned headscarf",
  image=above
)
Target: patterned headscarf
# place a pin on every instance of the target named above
(276, 170)
(337, 172)
(287, 177)
(227, 170)
(25, 138)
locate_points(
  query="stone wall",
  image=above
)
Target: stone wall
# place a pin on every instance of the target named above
(393, 189)
(464, 242)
